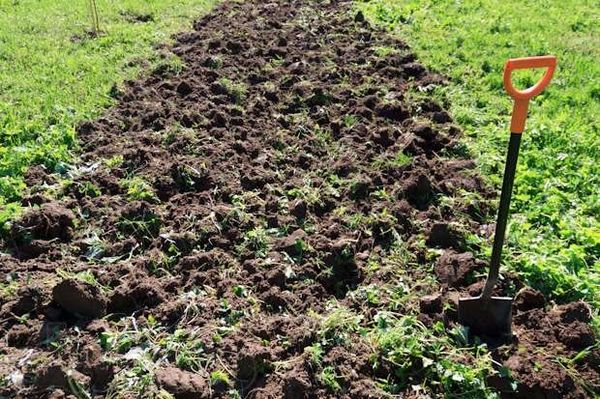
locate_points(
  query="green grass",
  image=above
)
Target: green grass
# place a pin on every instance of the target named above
(554, 235)
(54, 75)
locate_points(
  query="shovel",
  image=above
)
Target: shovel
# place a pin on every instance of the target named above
(488, 315)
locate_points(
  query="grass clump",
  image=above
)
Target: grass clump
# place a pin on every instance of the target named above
(417, 353)
(337, 326)
(329, 378)
(89, 189)
(143, 223)
(139, 189)
(237, 91)
(399, 160)
(219, 378)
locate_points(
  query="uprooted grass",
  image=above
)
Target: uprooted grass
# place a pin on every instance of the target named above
(55, 73)
(553, 239)
(431, 360)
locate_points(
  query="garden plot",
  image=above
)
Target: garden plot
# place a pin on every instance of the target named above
(279, 218)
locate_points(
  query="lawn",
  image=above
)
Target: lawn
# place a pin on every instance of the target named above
(554, 235)
(53, 74)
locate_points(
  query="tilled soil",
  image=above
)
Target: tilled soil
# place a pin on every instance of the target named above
(223, 210)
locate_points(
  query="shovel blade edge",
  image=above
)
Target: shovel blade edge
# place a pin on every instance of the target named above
(492, 318)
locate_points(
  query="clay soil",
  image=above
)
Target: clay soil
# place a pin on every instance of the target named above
(285, 159)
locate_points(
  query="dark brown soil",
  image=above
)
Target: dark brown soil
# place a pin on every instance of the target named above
(282, 162)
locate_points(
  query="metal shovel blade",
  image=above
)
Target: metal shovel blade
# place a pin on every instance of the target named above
(492, 318)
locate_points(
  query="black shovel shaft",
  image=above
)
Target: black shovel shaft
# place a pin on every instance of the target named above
(507, 185)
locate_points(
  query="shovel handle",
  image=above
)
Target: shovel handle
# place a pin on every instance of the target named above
(503, 210)
(522, 97)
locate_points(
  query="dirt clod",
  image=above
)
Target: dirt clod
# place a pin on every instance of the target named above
(58, 376)
(528, 298)
(49, 221)
(181, 384)
(253, 360)
(292, 244)
(431, 303)
(454, 268)
(296, 385)
(445, 235)
(80, 298)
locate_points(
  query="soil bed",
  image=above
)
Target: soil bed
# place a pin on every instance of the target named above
(222, 211)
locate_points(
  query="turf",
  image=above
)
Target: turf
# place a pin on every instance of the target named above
(554, 235)
(53, 73)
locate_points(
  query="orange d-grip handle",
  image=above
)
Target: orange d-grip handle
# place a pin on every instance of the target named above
(522, 97)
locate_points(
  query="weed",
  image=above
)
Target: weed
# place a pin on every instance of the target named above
(429, 355)
(114, 162)
(194, 300)
(184, 349)
(219, 377)
(384, 51)
(170, 65)
(145, 225)
(76, 387)
(176, 131)
(312, 194)
(9, 286)
(398, 161)
(191, 178)
(350, 120)
(240, 291)
(89, 189)
(86, 276)
(569, 365)
(370, 294)
(95, 21)
(329, 378)
(152, 343)
(382, 195)
(315, 354)
(337, 325)
(237, 91)
(214, 62)
(229, 315)
(256, 240)
(139, 189)
(136, 380)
